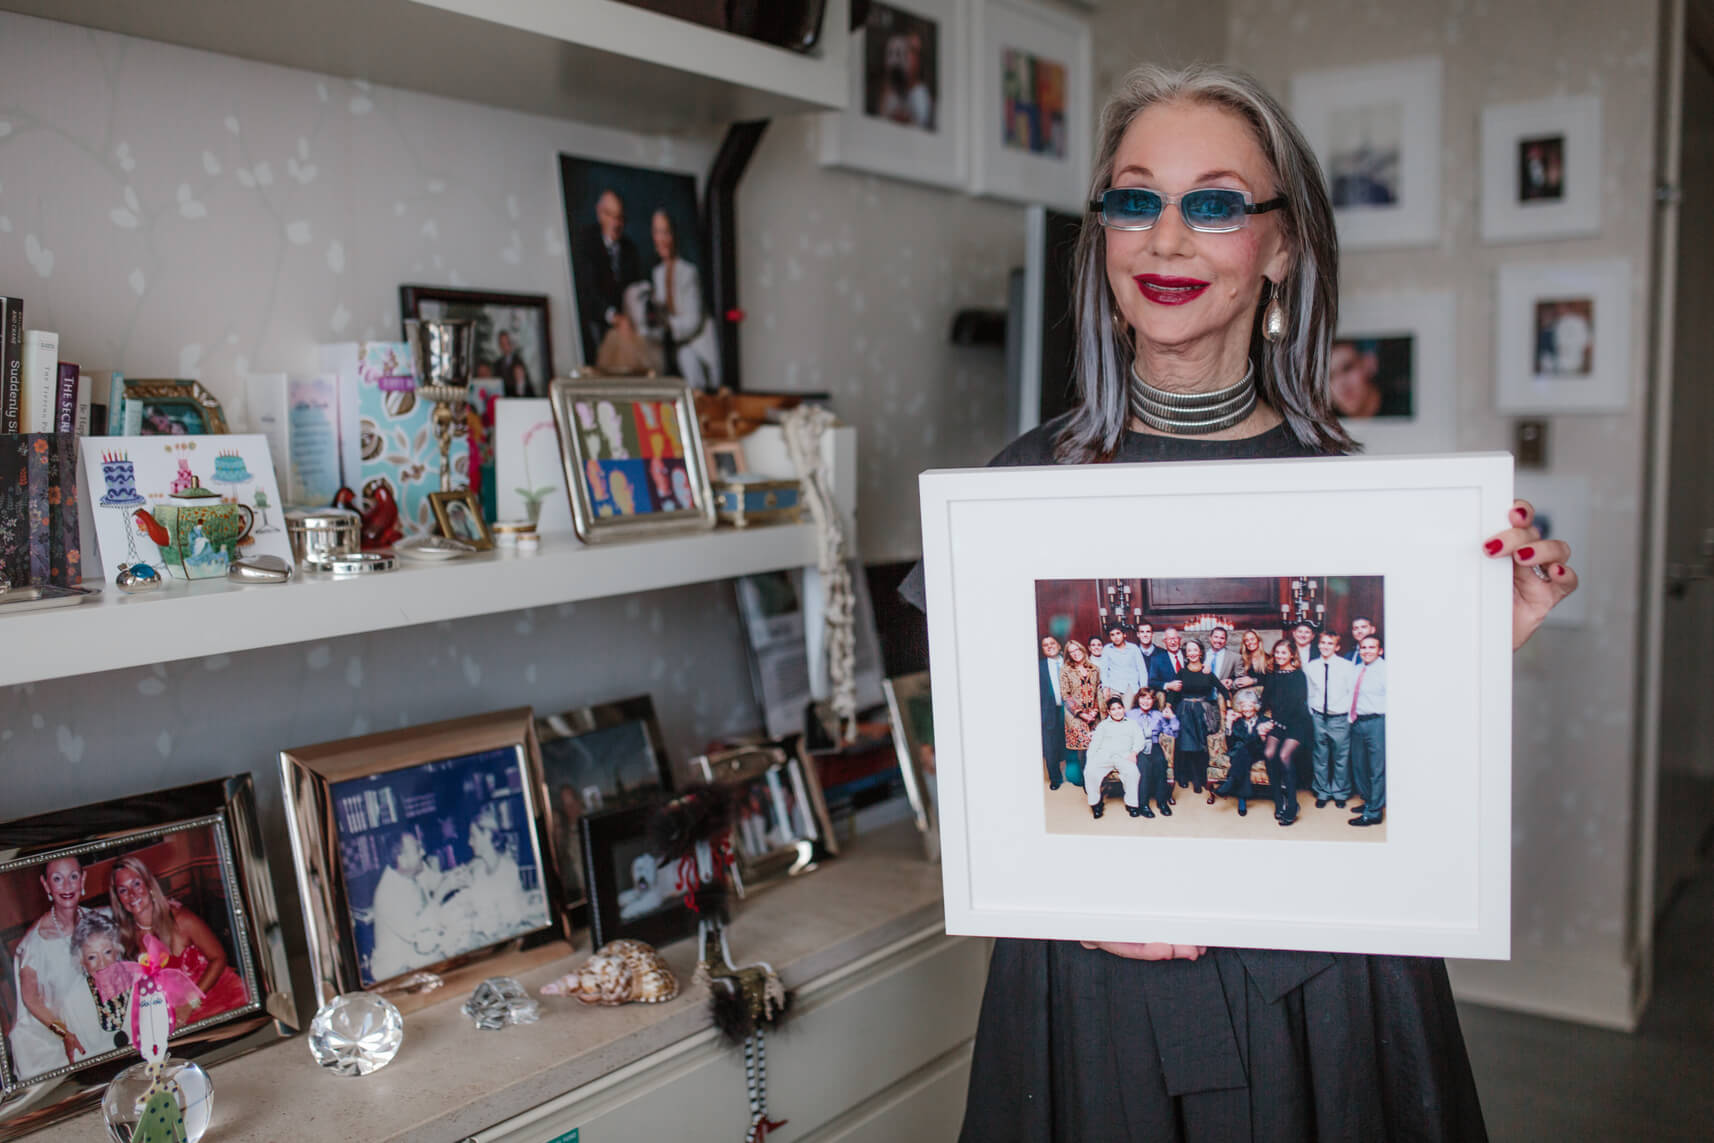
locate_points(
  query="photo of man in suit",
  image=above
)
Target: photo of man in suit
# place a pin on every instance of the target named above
(605, 262)
(1052, 712)
(1156, 661)
(1361, 628)
(1173, 638)
(1369, 734)
(1224, 662)
(1330, 680)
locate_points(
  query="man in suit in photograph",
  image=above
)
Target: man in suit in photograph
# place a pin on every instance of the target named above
(1174, 641)
(1122, 669)
(1369, 733)
(1330, 678)
(1224, 662)
(605, 262)
(1361, 628)
(1052, 712)
(1156, 661)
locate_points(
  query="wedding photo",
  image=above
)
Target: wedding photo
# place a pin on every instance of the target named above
(1176, 707)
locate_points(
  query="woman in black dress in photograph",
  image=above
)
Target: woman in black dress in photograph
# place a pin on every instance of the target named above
(1200, 703)
(1204, 327)
(1285, 699)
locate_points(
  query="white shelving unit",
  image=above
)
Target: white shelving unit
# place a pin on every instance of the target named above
(594, 61)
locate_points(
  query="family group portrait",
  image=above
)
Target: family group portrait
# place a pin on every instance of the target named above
(76, 927)
(1175, 706)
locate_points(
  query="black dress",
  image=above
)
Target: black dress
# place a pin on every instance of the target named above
(1080, 1046)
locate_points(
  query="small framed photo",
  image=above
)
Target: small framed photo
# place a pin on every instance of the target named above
(86, 892)
(458, 515)
(780, 825)
(910, 711)
(1392, 371)
(161, 408)
(594, 758)
(1040, 755)
(420, 850)
(512, 339)
(633, 892)
(725, 459)
(1376, 130)
(1541, 169)
(632, 452)
(909, 91)
(1564, 342)
(1030, 112)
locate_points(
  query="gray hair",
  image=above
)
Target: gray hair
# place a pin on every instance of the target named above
(1293, 370)
(94, 923)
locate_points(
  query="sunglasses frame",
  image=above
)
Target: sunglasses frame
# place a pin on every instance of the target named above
(1098, 207)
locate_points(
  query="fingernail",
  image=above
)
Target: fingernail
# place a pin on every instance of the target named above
(1492, 547)
(1558, 569)
(1526, 553)
(1518, 512)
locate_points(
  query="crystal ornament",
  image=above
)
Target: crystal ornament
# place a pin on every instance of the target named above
(356, 1033)
(126, 1096)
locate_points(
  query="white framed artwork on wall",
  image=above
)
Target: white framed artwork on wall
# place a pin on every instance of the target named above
(1541, 169)
(1564, 342)
(1393, 371)
(1030, 110)
(1377, 131)
(909, 95)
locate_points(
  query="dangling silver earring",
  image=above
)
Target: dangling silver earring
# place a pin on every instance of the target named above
(1273, 318)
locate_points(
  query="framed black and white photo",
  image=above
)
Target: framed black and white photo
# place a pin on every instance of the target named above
(458, 515)
(607, 756)
(1392, 370)
(633, 892)
(1376, 129)
(907, 116)
(1030, 112)
(421, 850)
(780, 824)
(511, 337)
(1035, 844)
(86, 893)
(1541, 169)
(1564, 339)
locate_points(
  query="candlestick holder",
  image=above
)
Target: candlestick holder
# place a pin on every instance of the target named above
(440, 353)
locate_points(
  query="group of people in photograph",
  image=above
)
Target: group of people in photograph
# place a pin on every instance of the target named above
(1124, 705)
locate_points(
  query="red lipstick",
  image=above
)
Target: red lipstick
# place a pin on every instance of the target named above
(1166, 290)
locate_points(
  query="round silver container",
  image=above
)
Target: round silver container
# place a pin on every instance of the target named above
(321, 535)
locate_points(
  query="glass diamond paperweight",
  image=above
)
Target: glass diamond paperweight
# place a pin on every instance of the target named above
(356, 1033)
(122, 1105)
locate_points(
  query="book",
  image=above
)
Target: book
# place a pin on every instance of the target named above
(65, 399)
(41, 379)
(85, 414)
(11, 365)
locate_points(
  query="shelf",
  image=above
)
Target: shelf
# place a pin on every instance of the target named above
(594, 61)
(212, 617)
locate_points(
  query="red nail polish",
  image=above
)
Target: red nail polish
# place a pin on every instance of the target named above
(1558, 569)
(1518, 512)
(1526, 553)
(1492, 546)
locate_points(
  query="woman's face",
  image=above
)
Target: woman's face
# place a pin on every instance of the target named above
(661, 230)
(1193, 653)
(99, 952)
(1252, 641)
(1282, 655)
(481, 841)
(1181, 290)
(133, 893)
(63, 879)
(1075, 650)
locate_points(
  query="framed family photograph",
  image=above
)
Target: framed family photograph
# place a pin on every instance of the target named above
(1030, 112)
(420, 850)
(633, 891)
(85, 894)
(1564, 338)
(633, 458)
(1376, 129)
(1393, 370)
(909, 94)
(603, 757)
(458, 515)
(511, 338)
(1274, 707)
(1541, 169)
(780, 823)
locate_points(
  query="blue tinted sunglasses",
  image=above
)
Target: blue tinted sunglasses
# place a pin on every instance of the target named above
(1214, 210)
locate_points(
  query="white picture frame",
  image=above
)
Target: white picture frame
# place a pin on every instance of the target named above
(1057, 177)
(1382, 320)
(1561, 505)
(1541, 169)
(1377, 131)
(1585, 365)
(1440, 883)
(861, 138)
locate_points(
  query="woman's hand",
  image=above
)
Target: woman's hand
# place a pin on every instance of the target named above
(1175, 685)
(1541, 577)
(1150, 950)
(72, 1045)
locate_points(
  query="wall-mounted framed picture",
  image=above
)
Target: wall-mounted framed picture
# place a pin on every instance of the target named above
(1376, 129)
(421, 850)
(907, 115)
(511, 337)
(1541, 169)
(607, 756)
(1030, 112)
(780, 824)
(633, 458)
(1564, 338)
(1393, 370)
(1438, 884)
(80, 888)
(458, 515)
(910, 712)
(633, 892)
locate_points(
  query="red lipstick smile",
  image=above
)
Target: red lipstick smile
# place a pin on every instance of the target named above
(1165, 290)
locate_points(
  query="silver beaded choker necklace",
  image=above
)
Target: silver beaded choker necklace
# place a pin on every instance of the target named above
(1193, 414)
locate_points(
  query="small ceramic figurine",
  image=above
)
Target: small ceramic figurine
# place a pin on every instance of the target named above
(620, 972)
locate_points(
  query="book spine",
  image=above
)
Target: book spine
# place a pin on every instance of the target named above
(65, 399)
(84, 415)
(11, 365)
(41, 379)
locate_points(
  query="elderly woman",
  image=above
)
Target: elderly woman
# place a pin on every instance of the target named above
(57, 1023)
(141, 906)
(1206, 289)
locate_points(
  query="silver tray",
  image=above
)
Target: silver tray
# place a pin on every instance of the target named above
(16, 599)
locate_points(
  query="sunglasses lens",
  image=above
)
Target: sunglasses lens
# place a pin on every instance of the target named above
(1130, 208)
(1213, 209)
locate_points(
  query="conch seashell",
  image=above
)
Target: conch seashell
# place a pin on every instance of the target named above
(620, 972)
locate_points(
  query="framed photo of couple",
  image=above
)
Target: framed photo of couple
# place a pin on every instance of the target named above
(1298, 664)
